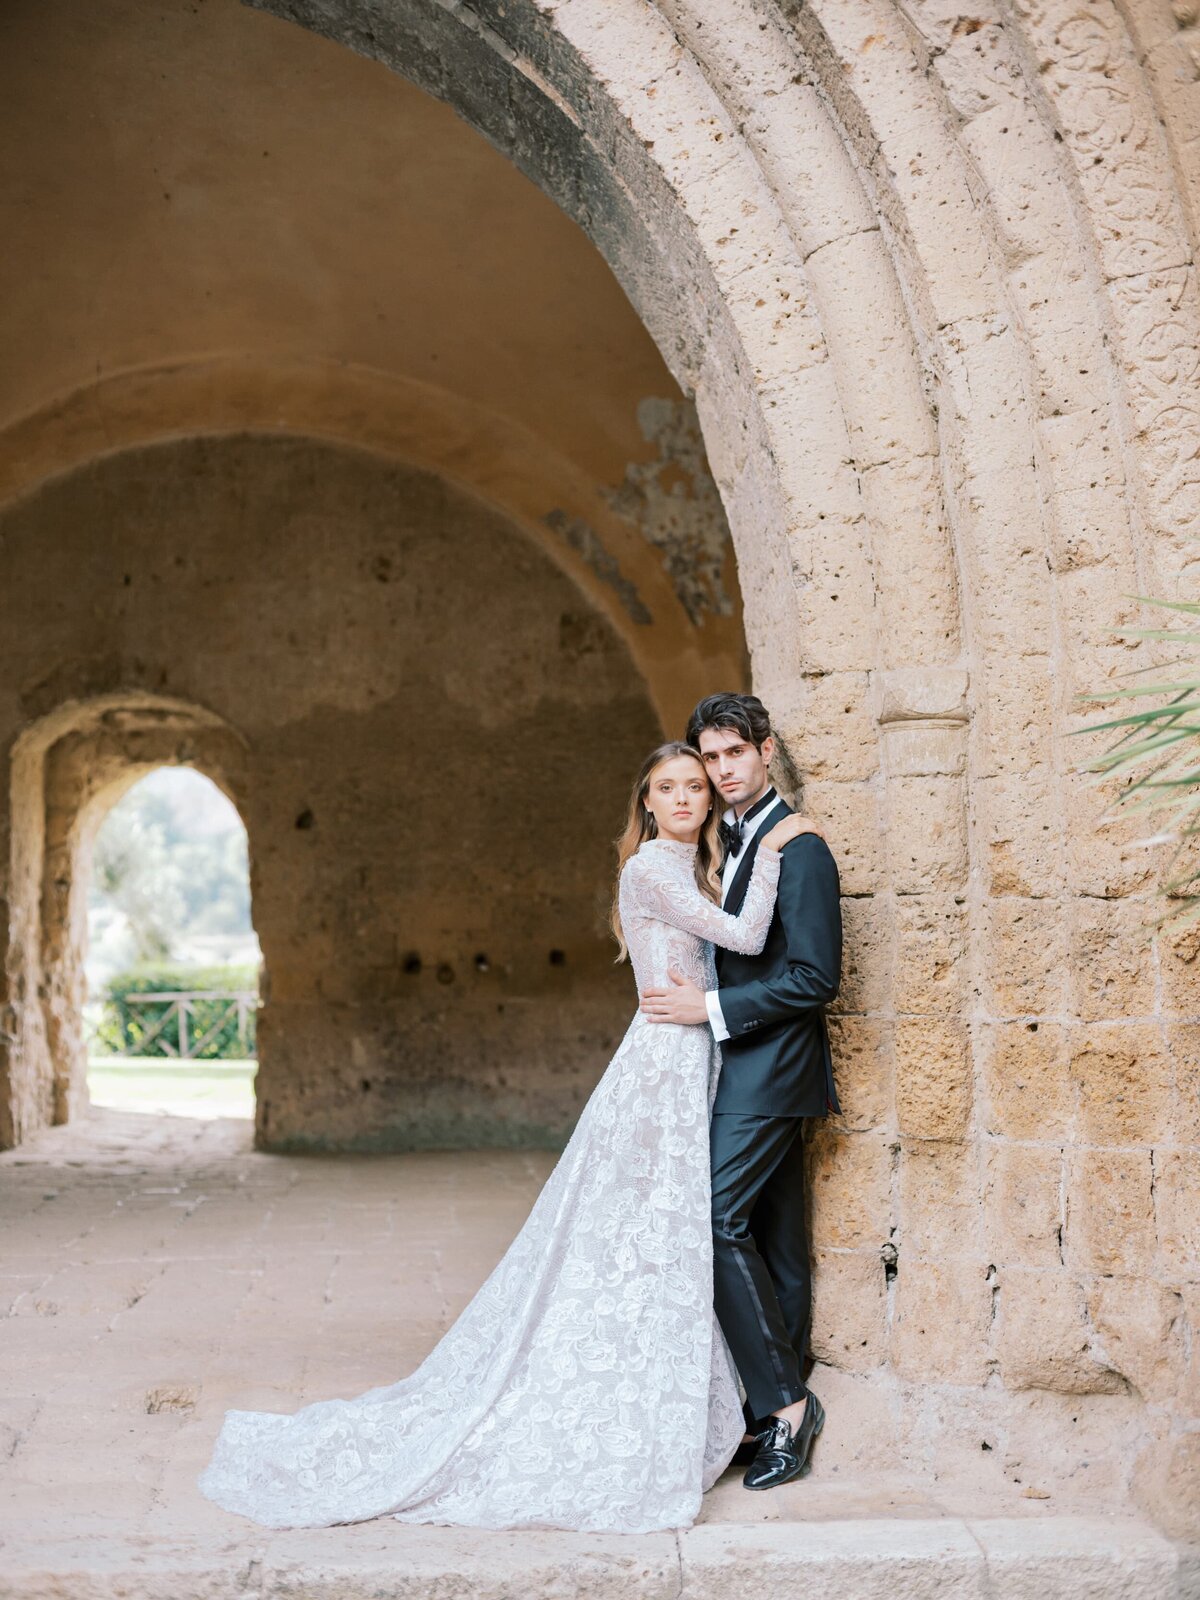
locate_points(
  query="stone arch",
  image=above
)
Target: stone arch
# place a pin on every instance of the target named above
(941, 348)
(930, 278)
(424, 698)
(68, 768)
(669, 592)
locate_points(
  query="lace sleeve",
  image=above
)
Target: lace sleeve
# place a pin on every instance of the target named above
(658, 889)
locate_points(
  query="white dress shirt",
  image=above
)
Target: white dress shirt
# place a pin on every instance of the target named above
(712, 999)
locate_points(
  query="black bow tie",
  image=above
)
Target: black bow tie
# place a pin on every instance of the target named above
(732, 836)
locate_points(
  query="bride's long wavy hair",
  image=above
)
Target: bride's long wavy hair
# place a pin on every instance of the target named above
(640, 826)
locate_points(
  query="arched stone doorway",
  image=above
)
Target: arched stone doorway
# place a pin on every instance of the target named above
(172, 964)
(475, 368)
(435, 732)
(930, 281)
(67, 770)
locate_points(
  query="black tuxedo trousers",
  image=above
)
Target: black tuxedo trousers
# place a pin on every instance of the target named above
(776, 1072)
(762, 1285)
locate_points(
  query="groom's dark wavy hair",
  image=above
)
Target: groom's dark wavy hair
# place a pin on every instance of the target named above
(744, 714)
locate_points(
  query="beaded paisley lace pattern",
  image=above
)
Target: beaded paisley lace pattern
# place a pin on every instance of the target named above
(586, 1385)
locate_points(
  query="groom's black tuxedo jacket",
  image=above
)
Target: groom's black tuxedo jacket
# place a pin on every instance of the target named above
(776, 1061)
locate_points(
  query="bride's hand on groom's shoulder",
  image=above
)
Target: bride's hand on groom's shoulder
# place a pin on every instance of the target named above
(787, 830)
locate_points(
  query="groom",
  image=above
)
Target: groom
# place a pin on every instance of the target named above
(767, 1013)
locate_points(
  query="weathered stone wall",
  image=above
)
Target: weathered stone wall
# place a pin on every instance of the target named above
(434, 734)
(929, 275)
(228, 230)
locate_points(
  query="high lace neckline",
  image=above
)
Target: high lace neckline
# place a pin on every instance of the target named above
(675, 845)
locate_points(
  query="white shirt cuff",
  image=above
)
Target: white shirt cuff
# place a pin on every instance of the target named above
(716, 1018)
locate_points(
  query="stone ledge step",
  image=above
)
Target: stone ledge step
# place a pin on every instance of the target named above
(1049, 1558)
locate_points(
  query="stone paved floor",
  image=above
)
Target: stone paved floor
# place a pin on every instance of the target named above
(155, 1270)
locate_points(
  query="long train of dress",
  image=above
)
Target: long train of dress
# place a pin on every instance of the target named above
(587, 1384)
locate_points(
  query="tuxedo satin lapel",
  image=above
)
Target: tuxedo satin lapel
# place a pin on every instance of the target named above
(741, 878)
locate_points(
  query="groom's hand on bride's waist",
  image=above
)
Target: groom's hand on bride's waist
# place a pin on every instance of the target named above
(682, 1002)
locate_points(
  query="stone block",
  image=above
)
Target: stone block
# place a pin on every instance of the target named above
(913, 556)
(1097, 577)
(849, 1309)
(1012, 530)
(924, 693)
(948, 1434)
(1028, 1089)
(1091, 528)
(1025, 961)
(1080, 1447)
(868, 938)
(1023, 1205)
(1183, 1045)
(1106, 859)
(1179, 965)
(1124, 1077)
(868, 1558)
(1020, 833)
(917, 749)
(850, 1185)
(926, 834)
(1110, 1211)
(835, 595)
(939, 1189)
(641, 1567)
(1112, 959)
(932, 1077)
(1083, 458)
(1076, 1557)
(1177, 1205)
(887, 416)
(862, 1066)
(848, 816)
(931, 942)
(793, 122)
(1139, 1332)
(801, 418)
(1015, 717)
(1188, 1393)
(941, 1321)
(1166, 1484)
(1043, 1336)
(830, 730)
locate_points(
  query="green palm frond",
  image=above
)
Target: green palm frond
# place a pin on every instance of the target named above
(1156, 752)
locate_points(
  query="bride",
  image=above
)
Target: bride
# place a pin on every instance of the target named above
(587, 1384)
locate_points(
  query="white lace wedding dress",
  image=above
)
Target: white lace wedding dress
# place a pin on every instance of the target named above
(587, 1384)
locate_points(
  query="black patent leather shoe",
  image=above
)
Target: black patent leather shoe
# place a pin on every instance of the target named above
(783, 1455)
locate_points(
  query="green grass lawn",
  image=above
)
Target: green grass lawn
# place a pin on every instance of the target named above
(182, 1088)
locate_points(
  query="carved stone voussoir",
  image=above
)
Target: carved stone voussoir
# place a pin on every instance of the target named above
(923, 716)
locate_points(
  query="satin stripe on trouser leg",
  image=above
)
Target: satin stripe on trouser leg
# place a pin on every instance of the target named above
(760, 1254)
(779, 1228)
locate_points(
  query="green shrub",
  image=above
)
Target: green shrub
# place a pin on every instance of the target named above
(125, 1029)
(1155, 751)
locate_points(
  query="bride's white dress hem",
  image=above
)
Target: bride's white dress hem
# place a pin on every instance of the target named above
(587, 1385)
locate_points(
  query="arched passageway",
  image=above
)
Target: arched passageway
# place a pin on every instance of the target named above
(424, 517)
(436, 732)
(929, 281)
(172, 959)
(68, 769)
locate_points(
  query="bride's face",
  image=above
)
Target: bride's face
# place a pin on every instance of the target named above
(679, 798)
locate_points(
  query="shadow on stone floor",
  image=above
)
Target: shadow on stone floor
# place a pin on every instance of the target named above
(157, 1270)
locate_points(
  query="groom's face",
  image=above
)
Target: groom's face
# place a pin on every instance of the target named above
(736, 768)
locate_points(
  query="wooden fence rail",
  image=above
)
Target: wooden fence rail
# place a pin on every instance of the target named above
(181, 1004)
